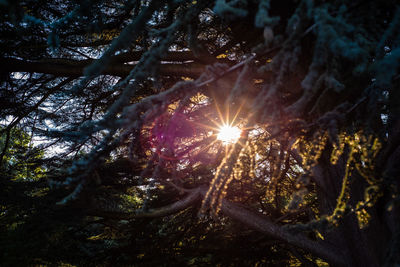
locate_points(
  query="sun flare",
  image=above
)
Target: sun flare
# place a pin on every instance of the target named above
(229, 134)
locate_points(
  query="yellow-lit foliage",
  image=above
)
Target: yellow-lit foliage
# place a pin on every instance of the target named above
(362, 153)
(362, 150)
(264, 165)
(105, 35)
(310, 151)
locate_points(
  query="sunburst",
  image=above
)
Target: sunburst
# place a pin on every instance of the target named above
(229, 134)
(226, 129)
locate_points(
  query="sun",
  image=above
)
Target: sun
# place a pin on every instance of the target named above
(229, 134)
(227, 129)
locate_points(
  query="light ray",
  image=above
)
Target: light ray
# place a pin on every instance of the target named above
(208, 126)
(237, 113)
(221, 117)
(227, 117)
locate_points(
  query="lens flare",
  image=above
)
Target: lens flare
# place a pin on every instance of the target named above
(229, 134)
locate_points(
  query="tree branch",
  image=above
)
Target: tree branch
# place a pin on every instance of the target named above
(249, 218)
(74, 68)
(173, 208)
(17, 120)
(262, 224)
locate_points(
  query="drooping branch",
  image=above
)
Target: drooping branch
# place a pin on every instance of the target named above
(173, 208)
(75, 68)
(238, 213)
(262, 224)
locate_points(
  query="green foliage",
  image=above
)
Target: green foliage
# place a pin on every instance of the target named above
(21, 161)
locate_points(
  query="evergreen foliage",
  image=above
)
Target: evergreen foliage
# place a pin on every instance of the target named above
(110, 113)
